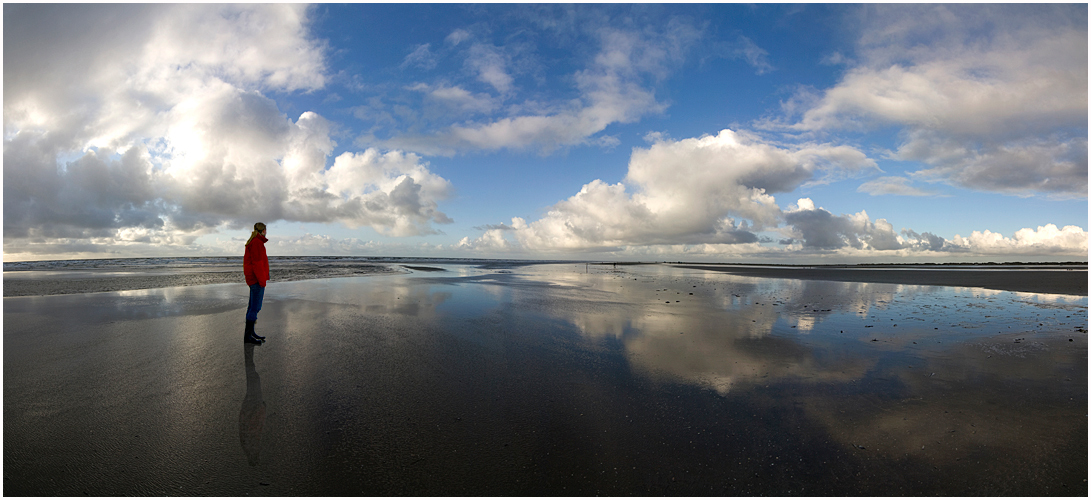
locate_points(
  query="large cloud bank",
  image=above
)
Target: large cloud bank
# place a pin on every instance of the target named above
(708, 197)
(164, 130)
(818, 229)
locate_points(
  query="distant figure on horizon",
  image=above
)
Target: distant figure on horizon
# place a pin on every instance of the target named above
(255, 265)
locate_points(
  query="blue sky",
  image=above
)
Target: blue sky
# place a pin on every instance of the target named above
(708, 132)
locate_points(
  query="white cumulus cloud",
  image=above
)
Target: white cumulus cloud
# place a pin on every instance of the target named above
(708, 190)
(1045, 240)
(818, 228)
(162, 132)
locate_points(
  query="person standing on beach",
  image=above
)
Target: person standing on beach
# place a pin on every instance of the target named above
(255, 265)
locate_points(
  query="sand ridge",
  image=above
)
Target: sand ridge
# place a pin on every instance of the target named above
(1057, 281)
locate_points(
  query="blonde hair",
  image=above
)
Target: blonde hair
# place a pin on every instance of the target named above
(258, 227)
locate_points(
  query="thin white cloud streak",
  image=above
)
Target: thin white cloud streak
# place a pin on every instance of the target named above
(458, 36)
(614, 88)
(421, 57)
(894, 186)
(989, 97)
(454, 100)
(162, 133)
(753, 55)
(490, 64)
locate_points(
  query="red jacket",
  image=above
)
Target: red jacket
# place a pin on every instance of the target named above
(255, 263)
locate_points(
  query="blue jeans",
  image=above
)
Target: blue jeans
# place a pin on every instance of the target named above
(257, 292)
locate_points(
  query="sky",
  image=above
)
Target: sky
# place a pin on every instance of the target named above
(804, 133)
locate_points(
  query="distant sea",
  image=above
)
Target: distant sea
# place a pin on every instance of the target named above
(211, 263)
(61, 277)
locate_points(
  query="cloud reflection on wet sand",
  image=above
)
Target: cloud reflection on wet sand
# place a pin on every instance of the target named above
(896, 370)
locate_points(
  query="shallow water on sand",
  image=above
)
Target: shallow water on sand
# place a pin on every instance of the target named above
(548, 380)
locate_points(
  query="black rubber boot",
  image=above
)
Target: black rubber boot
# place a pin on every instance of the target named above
(250, 326)
(248, 336)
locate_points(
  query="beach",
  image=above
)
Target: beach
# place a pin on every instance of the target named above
(440, 379)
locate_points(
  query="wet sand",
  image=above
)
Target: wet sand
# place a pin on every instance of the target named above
(545, 380)
(1060, 280)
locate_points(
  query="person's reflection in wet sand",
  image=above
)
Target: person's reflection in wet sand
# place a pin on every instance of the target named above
(252, 414)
